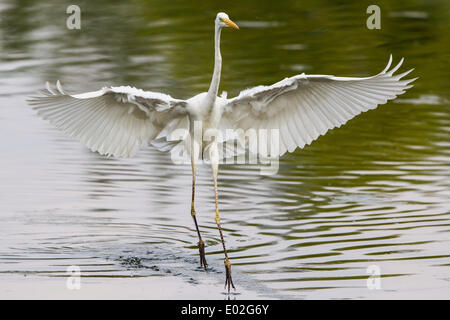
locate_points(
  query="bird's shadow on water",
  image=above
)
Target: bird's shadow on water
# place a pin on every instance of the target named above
(159, 261)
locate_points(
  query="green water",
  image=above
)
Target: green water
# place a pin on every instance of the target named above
(374, 192)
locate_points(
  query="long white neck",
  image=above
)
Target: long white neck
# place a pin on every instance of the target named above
(214, 86)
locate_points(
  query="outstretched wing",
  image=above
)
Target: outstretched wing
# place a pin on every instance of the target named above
(113, 120)
(303, 107)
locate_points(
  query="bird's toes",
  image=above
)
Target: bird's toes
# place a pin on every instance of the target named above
(228, 279)
(201, 249)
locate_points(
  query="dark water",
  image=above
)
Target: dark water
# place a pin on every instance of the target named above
(373, 193)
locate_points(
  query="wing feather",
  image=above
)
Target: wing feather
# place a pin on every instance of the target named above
(112, 121)
(304, 107)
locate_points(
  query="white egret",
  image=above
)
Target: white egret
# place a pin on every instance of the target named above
(117, 121)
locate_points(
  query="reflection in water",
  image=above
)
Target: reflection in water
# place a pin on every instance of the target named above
(375, 192)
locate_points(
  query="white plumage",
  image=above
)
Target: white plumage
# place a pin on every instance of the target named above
(114, 121)
(304, 107)
(119, 120)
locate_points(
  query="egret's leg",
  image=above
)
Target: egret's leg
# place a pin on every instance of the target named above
(228, 279)
(201, 244)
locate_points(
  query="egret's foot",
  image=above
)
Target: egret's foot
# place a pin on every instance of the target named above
(228, 280)
(201, 249)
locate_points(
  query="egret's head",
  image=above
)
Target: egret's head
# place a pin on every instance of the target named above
(224, 21)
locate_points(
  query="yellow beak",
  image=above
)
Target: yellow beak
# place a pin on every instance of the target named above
(230, 23)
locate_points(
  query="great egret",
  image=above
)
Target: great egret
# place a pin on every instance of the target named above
(117, 121)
